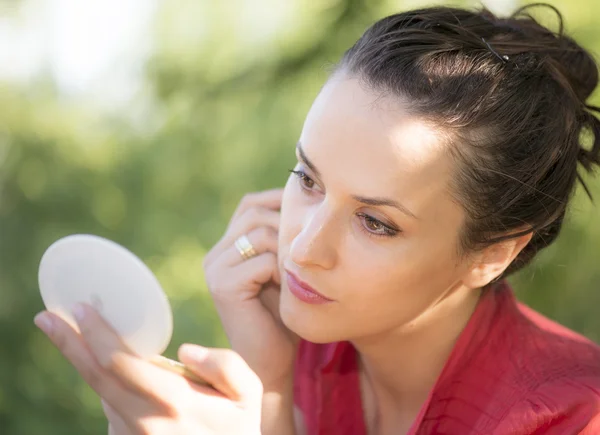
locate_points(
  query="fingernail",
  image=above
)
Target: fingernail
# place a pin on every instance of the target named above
(44, 322)
(194, 351)
(79, 312)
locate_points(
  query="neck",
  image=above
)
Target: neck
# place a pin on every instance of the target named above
(401, 366)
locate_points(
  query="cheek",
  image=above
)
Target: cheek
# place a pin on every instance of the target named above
(372, 275)
(407, 274)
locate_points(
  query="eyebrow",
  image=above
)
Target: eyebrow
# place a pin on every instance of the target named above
(306, 160)
(377, 201)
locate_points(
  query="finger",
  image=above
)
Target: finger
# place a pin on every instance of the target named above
(270, 199)
(105, 382)
(71, 345)
(260, 270)
(252, 218)
(116, 424)
(270, 297)
(245, 280)
(263, 239)
(225, 369)
(153, 383)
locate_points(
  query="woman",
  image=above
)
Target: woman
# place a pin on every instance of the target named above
(369, 296)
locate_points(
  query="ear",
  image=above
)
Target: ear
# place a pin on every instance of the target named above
(492, 261)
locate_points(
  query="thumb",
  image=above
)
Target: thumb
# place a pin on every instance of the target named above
(225, 369)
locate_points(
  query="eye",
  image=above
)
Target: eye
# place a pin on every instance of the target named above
(374, 227)
(306, 182)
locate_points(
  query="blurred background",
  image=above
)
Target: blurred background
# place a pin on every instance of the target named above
(145, 121)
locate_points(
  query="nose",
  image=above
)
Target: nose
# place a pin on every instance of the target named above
(314, 245)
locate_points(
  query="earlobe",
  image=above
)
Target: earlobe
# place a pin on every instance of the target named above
(492, 261)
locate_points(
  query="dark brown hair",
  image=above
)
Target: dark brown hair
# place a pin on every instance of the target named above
(510, 96)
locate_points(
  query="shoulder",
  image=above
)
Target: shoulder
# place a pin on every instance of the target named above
(558, 374)
(566, 406)
(556, 353)
(519, 372)
(534, 348)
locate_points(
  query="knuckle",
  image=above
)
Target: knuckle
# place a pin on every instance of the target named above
(248, 198)
(212, 255)
(213, 272)
(265, 260)
(271, 258)
(230, 356)
(273, 233)
(228, 361)
(214, 290)
(214, 282)
(235, 362)
(253, 214)
(219, 294)
(88, 369)
(264, 233)
(85, 329)
(109, 361)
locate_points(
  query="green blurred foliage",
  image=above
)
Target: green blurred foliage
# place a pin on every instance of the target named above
(222, 106)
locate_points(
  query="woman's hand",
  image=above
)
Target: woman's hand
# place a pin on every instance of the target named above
(246, 292)
(139, 397)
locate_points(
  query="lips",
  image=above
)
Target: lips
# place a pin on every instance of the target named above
(303, 291)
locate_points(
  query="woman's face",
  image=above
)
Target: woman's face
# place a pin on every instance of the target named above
(367, 220)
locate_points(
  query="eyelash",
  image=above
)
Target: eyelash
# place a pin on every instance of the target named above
(387, 230)
(302, 178)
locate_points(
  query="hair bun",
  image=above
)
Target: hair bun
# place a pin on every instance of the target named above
(580, 68)
(577, 64)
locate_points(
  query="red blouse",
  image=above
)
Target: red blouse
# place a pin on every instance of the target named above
(512, 371)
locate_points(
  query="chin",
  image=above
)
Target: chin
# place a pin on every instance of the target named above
(304, 321)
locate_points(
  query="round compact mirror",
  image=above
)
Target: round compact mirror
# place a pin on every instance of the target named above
(89, 269)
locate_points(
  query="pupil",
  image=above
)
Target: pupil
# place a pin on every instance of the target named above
(373, 224)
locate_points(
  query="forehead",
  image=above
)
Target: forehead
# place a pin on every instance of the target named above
(374, 141)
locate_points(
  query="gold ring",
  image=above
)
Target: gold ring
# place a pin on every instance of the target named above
(245, 248)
